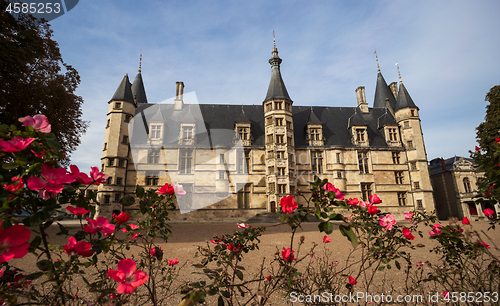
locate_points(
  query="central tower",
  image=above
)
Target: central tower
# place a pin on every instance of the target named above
(280, 147)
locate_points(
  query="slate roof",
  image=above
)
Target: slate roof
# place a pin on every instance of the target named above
(215, 124)
(124, 91)
(138, 90)
(277, 87)
(382, 91)
(404, 99)
(436, 167)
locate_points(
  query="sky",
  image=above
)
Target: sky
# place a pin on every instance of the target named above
(447, 53)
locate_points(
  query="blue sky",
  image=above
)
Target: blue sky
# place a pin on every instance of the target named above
(447, 52)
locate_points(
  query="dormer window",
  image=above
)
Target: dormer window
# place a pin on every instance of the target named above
(359, 136)
(243, 133)
(187, 134)
(391, 135)
(315, 135)
(155, 133)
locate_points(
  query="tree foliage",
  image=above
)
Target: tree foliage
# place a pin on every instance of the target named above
(34, 78)
(490, 128)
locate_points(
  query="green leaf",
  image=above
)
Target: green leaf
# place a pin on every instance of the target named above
(338, 217)
(127, 201)
(239, 274)
(347, 231)
(53, 144)
(139, 191)
(220, 301)
(381, 268)
(10, 166)
(398, 265)
(44, 265)
(35, 243)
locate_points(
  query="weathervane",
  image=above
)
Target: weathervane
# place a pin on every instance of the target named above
(376, 57)
(274, 39)
(397, 65)
(140, 62)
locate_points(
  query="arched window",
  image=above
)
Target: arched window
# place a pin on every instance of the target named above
(467, 185)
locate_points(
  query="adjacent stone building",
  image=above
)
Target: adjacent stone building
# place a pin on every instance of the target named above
(454, 184)
(235, 161)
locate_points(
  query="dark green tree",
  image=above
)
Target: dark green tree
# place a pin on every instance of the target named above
(490, 128)
(35, 80)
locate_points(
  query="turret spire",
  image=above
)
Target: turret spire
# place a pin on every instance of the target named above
(277, 87)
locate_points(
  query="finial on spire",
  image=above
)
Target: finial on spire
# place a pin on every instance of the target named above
(140, 62)
(399, 73)
(376, 57)
(274, 39)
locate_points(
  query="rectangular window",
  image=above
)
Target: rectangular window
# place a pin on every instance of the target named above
(107, 199)
(109, 180)
(279, 121)
(281, 188)
(271, 170)
(395, 158)
(107, 124)
(155, 131)
(270, 154)
(399, 175)
(125, 139)
(221, 174)
(416, 185)
(413, 165)
(102, 168)
(281, 171)
(187, 132)
(186, 161)
(280, 154)
(402, 198)
(289, 141)
(407, 124)
(221, 158)
(419, 204)
(154, 156)
(269, 107)
(127, 118)
(366, 191)
(152, 179)
(360, 135)
(363, 162)
(270, 138)
(410, 145)
(243, 162)
(317, 162)
(279, 105)
(111, 162)
(288, 125)
(272, 187)
(338, 158)
(269, 120)
(339, 174)
(280, 138)
(393, 134)
(244, 133)
(105, 146)
(315, 134)
(244, 197)
(117, 197)
(121, 163)
(118, 105)
(119, 181)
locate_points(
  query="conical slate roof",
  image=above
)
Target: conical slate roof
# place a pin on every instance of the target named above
(277, 87)
(312, 118)
(138, 90)
(404, 99)
(382, 92)
(124, 91)
(242, 117)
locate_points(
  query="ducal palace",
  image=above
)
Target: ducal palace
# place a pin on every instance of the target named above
(236, 161)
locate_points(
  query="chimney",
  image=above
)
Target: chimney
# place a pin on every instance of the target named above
(179, 92)
(394, 88)
(360, 95)
(443, 164)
